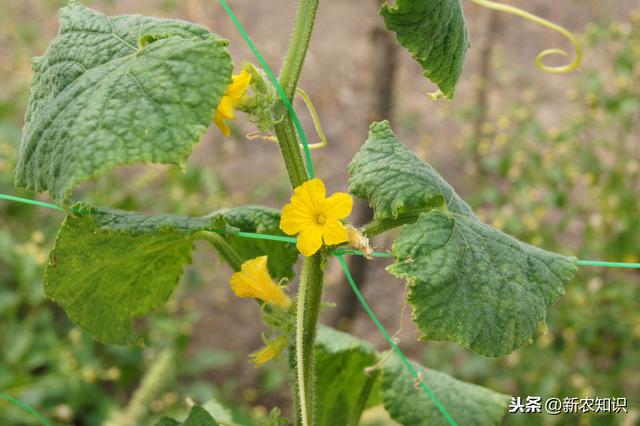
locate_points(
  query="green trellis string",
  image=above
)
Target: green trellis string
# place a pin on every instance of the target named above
(26, 408)
(407, 364)
(276, 84)
(32, 202)
(293, 240)
(307, 152)
(340, 253)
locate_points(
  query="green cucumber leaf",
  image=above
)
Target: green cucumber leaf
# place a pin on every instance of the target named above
(119, 90)
(395, 182)
(340, 363)
(109, 267)
(197, 417)
(468, 282)
(466, 403)
(218, 411)
(435, 34)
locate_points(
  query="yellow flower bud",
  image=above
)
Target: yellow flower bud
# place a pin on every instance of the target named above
(254, 281)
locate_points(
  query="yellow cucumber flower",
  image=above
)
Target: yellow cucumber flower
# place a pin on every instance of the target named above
(254, 281)
(272, 350)
(231, 99)
(315, 217)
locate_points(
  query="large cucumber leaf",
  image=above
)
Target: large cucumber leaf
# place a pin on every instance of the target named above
(468, 404)
(340, 363)
(341, 360)
(198, 416)
(435, 34)
(468, 282)
(109, 267)
(118, 90)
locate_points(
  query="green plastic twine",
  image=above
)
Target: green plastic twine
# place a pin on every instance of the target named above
(342, 251)
(32, 202)
(337, 252)
(26, 408)
(607, 264)
(340, 255)
(276, 84)
(256, 236)
(395, 347)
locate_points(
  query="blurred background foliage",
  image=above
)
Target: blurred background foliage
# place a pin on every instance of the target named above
(571, 186)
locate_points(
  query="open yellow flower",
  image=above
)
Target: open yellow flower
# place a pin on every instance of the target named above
(254, 281)
(231, 99)
(315, 217)
(272, 350)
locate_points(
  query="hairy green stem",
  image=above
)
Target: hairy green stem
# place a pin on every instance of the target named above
(299, 44)
(310, 293)
(289, 76)
(308, 309)
(286, 134)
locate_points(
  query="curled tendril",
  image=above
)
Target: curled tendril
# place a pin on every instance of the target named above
(370, 369)
(547, 52)
(395, 338)
(316, 123)
(258, 135)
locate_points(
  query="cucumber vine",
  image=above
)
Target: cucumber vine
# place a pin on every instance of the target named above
(112, 91)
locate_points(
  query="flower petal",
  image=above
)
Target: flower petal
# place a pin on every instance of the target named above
(242, 284)
(254, 281)
(225, 108)
(334, 232)
(338, 206)
(310, 196)
(236, 89)
(310, 240)
(222, 125)
(272, 350)
(294, 220)
(256, 266)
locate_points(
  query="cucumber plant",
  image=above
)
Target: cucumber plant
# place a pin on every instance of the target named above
(113, 91)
